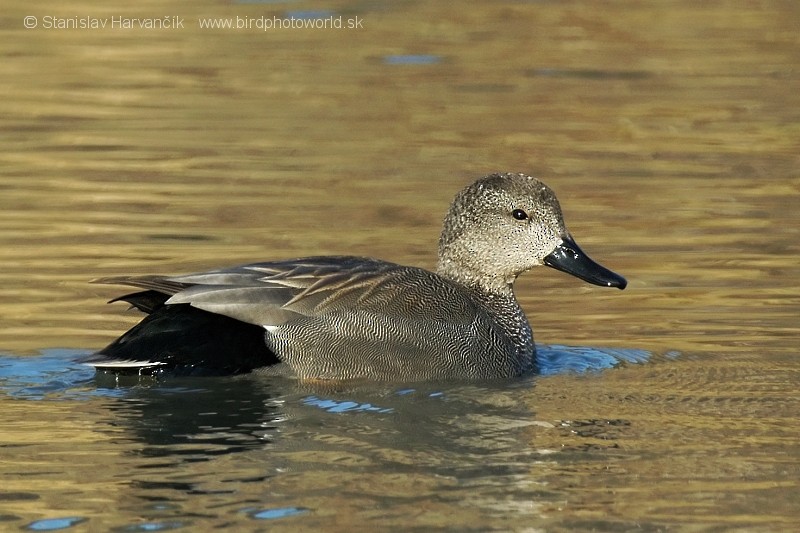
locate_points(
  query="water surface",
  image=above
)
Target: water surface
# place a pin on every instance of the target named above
(669, 132)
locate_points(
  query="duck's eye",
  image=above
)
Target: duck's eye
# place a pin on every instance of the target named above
(519, 214)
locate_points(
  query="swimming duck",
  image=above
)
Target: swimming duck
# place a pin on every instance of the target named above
(345, 317)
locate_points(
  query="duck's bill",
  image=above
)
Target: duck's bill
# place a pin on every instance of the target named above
(569, 258)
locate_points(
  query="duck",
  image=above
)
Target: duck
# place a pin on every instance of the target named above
(346, 317)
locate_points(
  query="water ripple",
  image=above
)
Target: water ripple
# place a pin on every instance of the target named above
(55, 374)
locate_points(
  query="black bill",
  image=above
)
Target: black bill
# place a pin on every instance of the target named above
(569, 258)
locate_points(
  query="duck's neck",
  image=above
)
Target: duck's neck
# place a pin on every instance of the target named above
(475, 279)
(497, 295)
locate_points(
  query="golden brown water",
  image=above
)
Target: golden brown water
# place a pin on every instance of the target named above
(670, 132)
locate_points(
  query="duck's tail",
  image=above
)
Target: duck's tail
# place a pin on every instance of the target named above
(181, 339)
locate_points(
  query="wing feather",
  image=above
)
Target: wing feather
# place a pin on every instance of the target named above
(274, 293)
(160, 284)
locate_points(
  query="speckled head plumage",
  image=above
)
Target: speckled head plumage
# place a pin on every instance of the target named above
(499, 227)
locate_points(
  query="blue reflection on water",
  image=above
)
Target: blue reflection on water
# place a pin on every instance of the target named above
(412, 59)
(53, 375)
(559, 359)
(334, 406)
(54, 524)
(272, 514)
(309, 15)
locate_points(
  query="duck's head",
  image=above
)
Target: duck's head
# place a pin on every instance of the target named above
(505, 224)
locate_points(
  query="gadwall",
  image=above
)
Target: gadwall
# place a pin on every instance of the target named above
(343, 317)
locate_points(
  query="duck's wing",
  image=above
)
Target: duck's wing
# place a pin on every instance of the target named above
(274, 293)
(219, 318)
